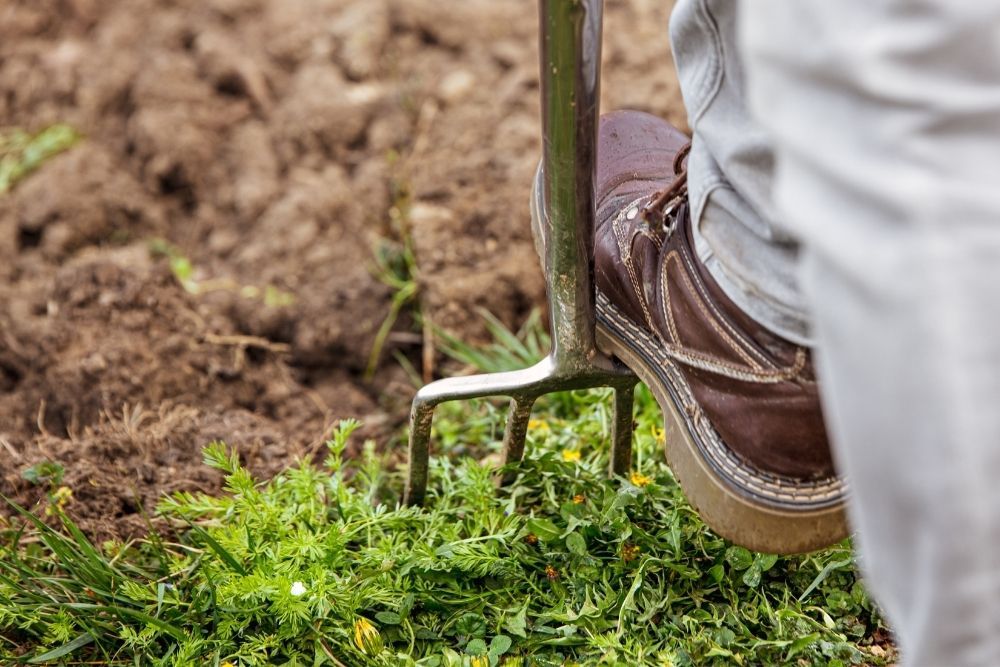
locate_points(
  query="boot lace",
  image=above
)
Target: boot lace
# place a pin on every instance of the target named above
(662, 208)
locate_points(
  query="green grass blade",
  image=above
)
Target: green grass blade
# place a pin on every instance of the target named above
(168, 628)
(65, 649)
(823, 574)
(227, 557)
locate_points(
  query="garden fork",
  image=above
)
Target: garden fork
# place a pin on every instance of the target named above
(570, 77)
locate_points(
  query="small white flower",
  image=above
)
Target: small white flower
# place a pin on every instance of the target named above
(298, 588)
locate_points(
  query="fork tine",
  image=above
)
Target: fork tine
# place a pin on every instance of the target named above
(421, 418)
(621, 431)
(517, 430)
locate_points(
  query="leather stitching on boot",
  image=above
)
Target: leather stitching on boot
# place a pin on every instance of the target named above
(710, 363)
(699, 290)
(700, 302)
(625, 254)
(765, 484)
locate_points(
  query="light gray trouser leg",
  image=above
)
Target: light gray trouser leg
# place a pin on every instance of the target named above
(884, 125)
(730, 171)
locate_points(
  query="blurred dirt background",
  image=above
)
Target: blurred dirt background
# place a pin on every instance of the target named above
(277, 147)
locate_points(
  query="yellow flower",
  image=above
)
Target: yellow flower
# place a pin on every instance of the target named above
(630, 552)
(367, 637)
(62, 495)
(639, 479)
(551, 572)
(538, 425)
(658, 435)
(571, 455)
(480, 661)
(227, 664)
(579, 499)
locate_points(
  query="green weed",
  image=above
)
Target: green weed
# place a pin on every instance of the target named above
(22, 152)
(395, 267)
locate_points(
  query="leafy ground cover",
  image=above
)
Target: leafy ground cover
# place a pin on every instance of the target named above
(321, 565)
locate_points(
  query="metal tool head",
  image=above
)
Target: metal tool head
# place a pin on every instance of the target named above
(570, 50)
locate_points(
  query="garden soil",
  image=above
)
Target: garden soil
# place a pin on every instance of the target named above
(201, 265)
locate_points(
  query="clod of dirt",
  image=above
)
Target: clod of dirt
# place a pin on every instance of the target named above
(177, 138)
(362, 31)
(253, 179)
(301, 244)
(323, 113)
(224, 62)
(82, 197)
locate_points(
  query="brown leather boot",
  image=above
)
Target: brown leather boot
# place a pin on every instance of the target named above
(744, 431)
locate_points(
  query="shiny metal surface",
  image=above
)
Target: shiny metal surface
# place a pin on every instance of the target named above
(570, 75)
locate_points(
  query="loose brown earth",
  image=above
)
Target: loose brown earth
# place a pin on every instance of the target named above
(276, 144)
